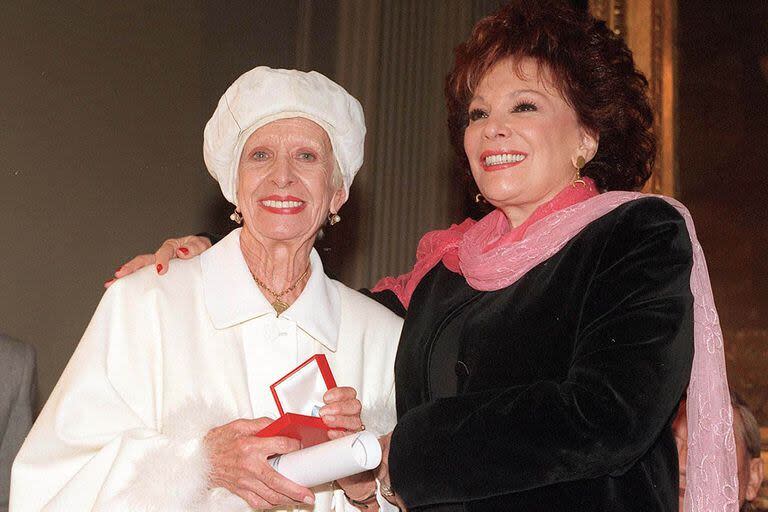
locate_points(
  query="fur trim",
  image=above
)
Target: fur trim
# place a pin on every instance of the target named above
(379, 417)
(174, 476)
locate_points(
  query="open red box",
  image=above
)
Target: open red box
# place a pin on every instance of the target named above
(298, 396)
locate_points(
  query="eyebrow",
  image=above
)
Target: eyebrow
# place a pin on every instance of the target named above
(512, 94)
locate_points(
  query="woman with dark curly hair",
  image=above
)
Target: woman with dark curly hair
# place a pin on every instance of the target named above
(546, 347)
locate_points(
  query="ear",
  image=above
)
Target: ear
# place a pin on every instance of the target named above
(338, 199)
(755, 479)
(588, 143)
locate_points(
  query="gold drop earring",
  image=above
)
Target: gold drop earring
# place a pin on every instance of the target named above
(579, 165)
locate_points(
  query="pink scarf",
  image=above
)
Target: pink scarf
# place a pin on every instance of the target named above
(491, 257)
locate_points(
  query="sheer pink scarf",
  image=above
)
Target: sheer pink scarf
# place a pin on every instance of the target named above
(491, 257)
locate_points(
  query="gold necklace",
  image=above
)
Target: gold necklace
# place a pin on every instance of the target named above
(278, 304)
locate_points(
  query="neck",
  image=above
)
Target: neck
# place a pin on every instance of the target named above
(562, 197)
(517, 214)
(277, 264)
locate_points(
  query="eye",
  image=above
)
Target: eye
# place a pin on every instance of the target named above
(260, 155)
(477, 113)
(307, 156)
(525, 106)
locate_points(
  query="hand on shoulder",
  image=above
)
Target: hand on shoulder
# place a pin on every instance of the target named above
(183, 248)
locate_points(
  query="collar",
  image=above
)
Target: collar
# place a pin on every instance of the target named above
(232, 297)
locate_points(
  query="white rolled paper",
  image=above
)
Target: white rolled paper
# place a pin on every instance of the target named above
(331, 460)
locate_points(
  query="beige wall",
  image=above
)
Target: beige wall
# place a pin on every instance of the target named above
(102, 106)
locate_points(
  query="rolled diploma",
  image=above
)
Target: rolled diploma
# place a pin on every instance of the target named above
(331, 460)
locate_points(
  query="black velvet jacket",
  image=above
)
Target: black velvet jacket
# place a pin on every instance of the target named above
(555, 393)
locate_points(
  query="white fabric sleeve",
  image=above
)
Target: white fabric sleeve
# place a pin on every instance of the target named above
(99, 443)
(384, 505)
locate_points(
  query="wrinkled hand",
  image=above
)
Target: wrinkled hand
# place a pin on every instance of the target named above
(382, 472)
(184, 248)
(239, 464)
(341, 411)
(342, 414)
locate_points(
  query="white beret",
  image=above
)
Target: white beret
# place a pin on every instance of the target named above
(263, 95)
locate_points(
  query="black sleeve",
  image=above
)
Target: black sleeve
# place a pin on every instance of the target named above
(387, 299)
(631, 363)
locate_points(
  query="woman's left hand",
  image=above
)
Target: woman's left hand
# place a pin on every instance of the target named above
(341, 412)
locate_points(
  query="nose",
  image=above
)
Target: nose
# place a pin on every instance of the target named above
(494, 128)
(283, 173)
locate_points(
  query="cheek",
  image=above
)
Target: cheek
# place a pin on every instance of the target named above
(247, 183)
(471, 139)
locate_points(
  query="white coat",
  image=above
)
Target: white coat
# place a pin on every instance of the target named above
(165, 359)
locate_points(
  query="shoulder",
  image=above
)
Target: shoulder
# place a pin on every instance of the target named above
(16, 353)
(180, 280)
(648, 211)
(636, 221)
(364, 309)
(648, 229)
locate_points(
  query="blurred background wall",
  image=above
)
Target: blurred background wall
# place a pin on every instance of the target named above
(102, 106)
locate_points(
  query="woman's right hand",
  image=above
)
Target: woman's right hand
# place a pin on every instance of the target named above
(184, 248)
(239, 464)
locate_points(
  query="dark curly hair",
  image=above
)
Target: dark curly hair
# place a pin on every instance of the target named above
(589, 65)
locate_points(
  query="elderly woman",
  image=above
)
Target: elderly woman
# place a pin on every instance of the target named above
(546, 347)
(156, 408)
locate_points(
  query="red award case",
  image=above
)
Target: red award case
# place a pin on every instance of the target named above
(298, 396)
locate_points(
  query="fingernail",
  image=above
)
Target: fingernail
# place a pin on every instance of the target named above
(159, 267)
(183, 250)
(119, 269)
(309, 501)
(108, 281)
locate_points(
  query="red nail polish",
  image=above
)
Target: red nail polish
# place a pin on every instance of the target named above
(119, 268)
(183, 250)
(108, 281)
(159, 267)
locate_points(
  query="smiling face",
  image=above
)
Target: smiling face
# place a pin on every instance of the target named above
(523, 138)
(285, 181)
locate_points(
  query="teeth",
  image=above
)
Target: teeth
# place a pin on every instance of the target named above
(505, 158)
(281, 204)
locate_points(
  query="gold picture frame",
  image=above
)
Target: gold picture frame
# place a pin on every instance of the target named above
(649, 28)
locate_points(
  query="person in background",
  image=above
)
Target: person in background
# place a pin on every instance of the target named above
(746, 433)
(159, 407)
(18, 378)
